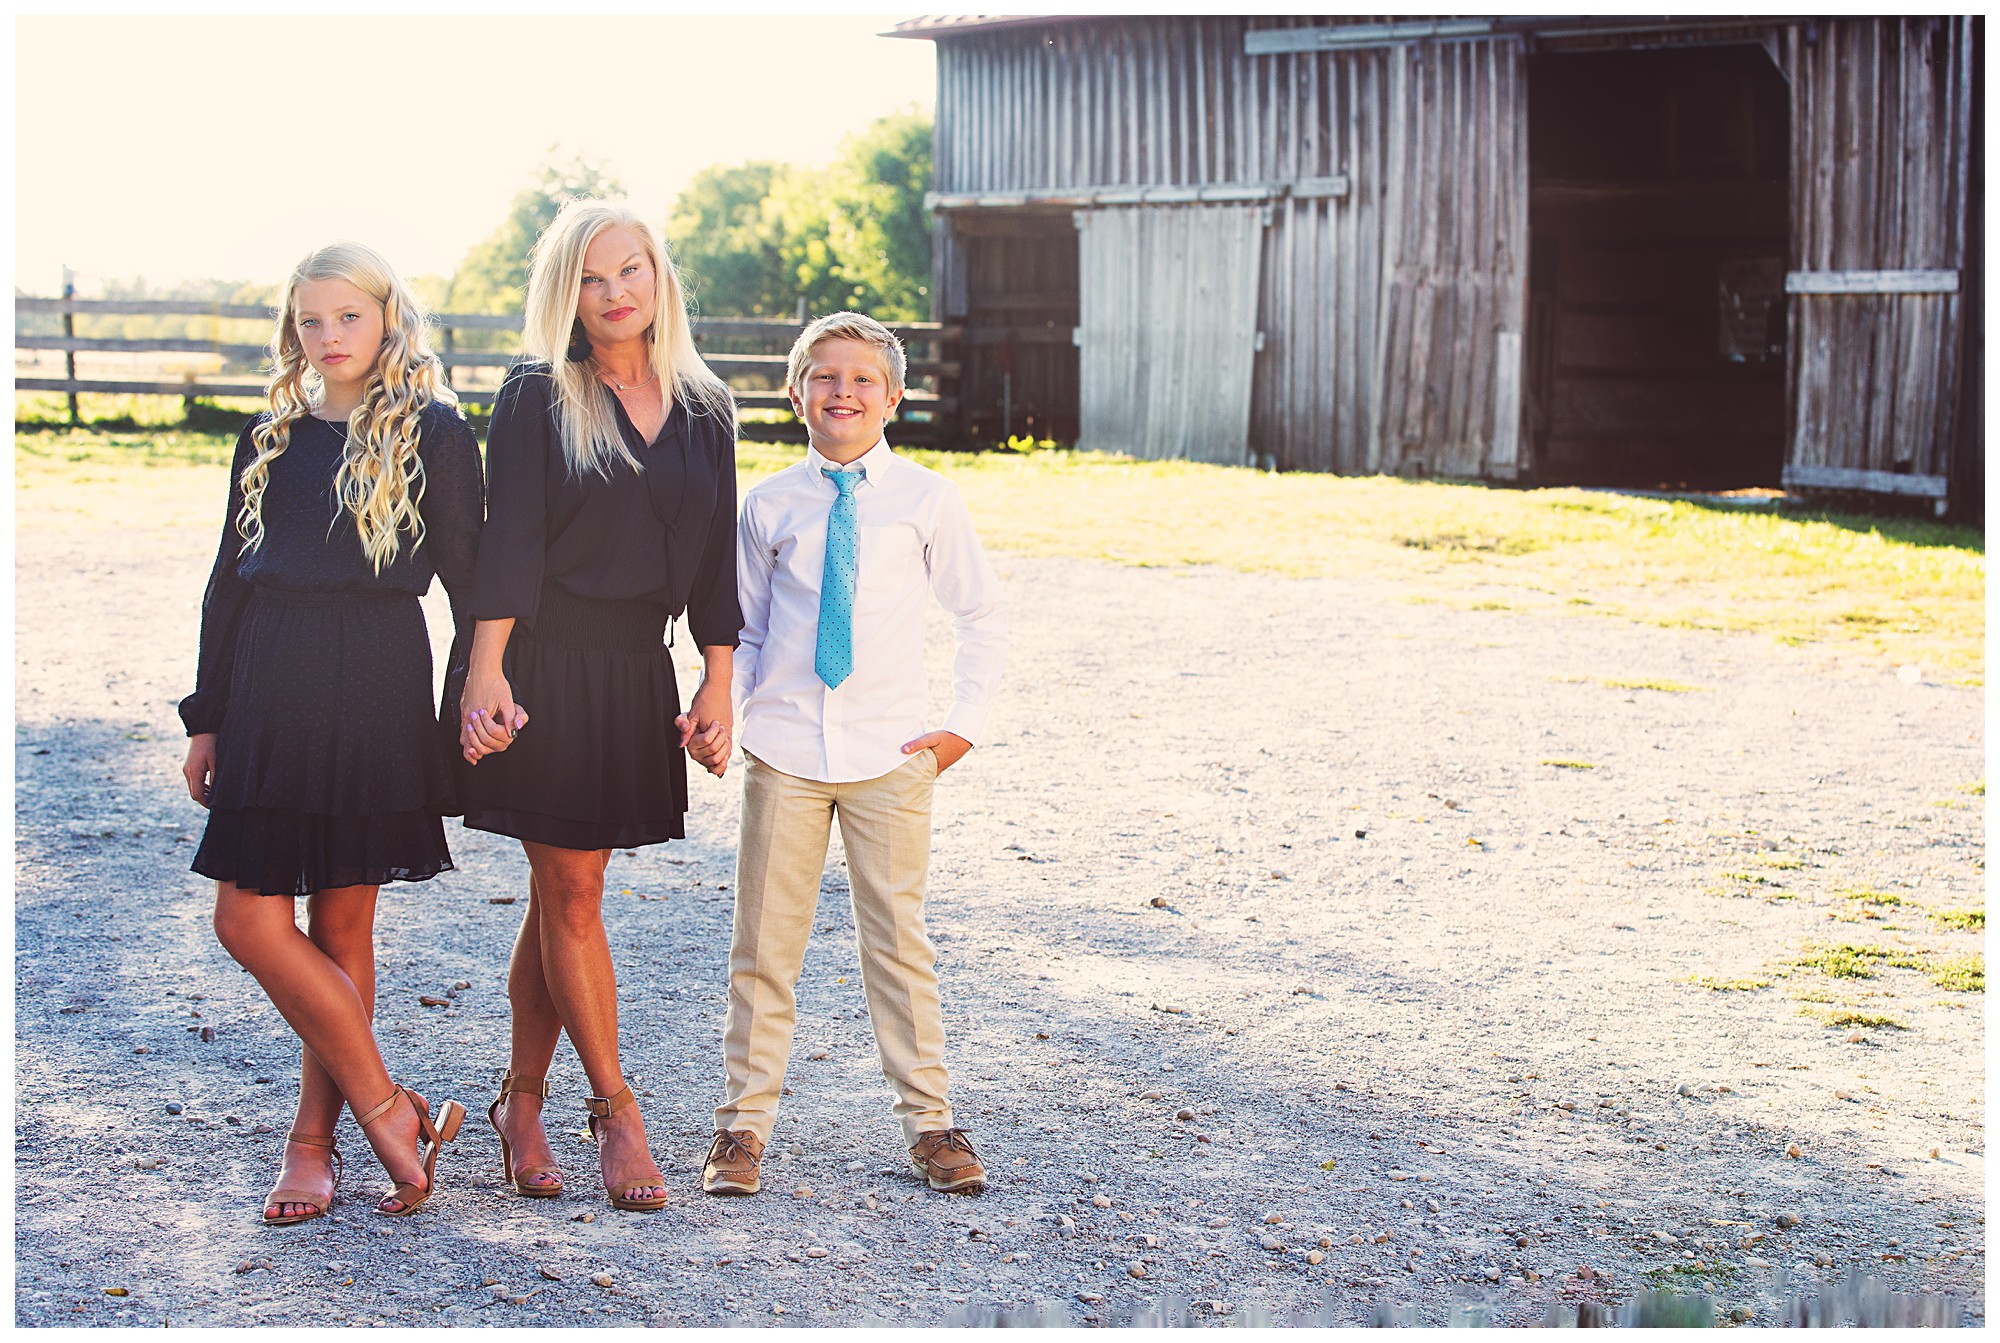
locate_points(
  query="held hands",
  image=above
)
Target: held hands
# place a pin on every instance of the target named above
(706, 727)
(949, 747)
(199, 768)
(488, 717)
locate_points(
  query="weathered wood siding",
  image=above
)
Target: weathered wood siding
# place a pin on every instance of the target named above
(1455, 260)
(1169, 330)
(1881, 123)
(1177, 102)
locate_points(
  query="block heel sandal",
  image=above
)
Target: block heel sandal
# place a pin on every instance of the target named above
(318, 1203)
(602, 1108)
(431, 1138)
(517, 1176)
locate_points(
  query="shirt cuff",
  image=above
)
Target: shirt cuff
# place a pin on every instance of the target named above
(201, 713)
(967, 721)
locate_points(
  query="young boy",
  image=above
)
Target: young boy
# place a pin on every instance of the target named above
(835, 555)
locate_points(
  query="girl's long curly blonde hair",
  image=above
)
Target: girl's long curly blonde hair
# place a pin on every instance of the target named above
(381, 478)
(591, 441)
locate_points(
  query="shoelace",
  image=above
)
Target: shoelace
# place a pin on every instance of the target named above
(729, 1148)
(954, 1138)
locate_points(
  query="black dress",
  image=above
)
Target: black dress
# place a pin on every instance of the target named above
(593, 570)
(331, 767)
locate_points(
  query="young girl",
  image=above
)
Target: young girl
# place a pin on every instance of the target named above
(311, 737)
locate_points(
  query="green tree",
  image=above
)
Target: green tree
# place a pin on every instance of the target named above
(876, 221)
(756, 238)
(812, 268)
(727, 234)
(493, 277)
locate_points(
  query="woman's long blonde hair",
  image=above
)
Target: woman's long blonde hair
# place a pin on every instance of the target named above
(591, 440)
(381, 478)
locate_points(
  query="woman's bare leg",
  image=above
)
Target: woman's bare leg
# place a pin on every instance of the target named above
(576, 967)
(325, 1007)
(536, 1029)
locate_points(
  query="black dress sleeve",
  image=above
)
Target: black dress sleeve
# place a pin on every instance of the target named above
(454, 506)
(221, 608)
(513, 548)
(715, 613)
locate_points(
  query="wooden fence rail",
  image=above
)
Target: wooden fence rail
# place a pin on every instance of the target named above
(925, 410)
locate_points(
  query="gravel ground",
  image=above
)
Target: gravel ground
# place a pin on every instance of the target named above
(1281, 974)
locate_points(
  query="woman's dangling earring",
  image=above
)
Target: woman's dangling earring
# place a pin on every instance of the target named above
(579, 344)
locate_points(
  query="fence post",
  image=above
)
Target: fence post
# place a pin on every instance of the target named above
(448, 347)
(69, 330)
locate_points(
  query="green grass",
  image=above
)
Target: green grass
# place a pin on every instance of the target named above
(50, 452)
(1663, 687)
(1714, 985)
(1866, 1020)
(1698, 1272)
(1796, 577)
(1977, 788)
(1570, 764)
(1960, 974)
(1849, 961)
(1865, 896)
(1966, 920)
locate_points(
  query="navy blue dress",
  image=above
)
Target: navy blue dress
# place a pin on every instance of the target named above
(593, 569)
(332, 767)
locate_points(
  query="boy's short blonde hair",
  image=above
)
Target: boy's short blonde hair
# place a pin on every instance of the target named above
(847, 326)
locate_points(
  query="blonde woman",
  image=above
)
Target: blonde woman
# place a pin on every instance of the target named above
(312, 741)
(613, 508)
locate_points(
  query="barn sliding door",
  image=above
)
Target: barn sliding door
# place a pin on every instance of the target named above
(1881, 120)
(1167, 331)
(1455, 246)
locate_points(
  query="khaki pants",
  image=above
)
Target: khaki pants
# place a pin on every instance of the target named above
(886, 826)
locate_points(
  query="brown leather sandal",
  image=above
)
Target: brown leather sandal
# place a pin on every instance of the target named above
(317, 1202)
(528, 1086)
(431, 1138)
(601, 1108)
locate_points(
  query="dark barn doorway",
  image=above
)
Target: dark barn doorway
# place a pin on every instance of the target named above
(1659, 228)
(1018, 361)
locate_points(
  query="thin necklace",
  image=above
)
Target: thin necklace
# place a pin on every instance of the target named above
(621, 386)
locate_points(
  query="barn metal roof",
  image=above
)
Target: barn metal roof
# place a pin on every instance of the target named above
(940, 25)
(1291, 34)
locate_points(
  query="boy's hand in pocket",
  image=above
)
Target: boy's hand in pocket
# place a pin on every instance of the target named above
(949, 746)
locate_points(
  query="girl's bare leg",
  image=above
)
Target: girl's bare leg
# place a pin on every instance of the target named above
(324, 1005)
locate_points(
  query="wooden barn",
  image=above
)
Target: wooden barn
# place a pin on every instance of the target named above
(1703, 253)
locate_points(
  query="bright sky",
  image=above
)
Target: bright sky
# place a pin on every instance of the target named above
(191, 148)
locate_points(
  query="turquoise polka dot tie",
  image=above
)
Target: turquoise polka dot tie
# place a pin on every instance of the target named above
(833, 658)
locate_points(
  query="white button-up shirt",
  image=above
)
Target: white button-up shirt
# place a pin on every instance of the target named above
(915, 537)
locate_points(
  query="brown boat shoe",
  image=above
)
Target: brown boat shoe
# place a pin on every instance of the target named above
(731, 1167)
(944, 1157)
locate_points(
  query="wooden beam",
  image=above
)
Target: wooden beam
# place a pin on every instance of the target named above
(1871, 282)
(1048, 198)
(1019, 335)
(168, 307)
(912, 400)
(774, 327)
(184, 389)
(775, 364)
(1871, 482)
(260, 353)
(1553, 27)
(1278, 41)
